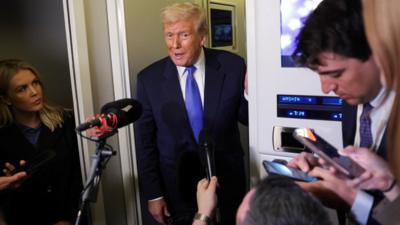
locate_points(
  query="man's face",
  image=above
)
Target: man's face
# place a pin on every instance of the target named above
(183, 42)
(353, 80)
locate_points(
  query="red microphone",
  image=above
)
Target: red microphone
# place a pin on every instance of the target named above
(102, 125)
(114, 115)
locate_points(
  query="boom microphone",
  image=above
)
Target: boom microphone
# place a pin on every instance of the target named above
(207, 152)
(114, 115)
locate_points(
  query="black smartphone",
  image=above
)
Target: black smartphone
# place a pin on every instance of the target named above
(280, 169)
(326, 151)
(32, 165)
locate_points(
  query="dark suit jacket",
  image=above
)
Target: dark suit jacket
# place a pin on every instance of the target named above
(163, 133)
(387, 213)
(52, 193)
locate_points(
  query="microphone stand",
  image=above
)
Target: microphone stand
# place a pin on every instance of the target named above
(98, 163)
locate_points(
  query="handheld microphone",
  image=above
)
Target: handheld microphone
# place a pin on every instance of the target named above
(207, 152)
(114, 115)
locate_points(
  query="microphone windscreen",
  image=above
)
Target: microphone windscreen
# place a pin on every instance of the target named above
(128, 110)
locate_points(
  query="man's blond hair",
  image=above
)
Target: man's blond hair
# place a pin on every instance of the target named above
(185, 11)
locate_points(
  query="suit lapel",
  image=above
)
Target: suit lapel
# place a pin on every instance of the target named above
(173, 92)
(172, 86)
(349, 124)
(214, 79)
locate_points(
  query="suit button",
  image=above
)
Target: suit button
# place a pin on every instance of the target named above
(49, 189)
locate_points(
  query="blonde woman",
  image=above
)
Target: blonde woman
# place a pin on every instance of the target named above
(31, 127)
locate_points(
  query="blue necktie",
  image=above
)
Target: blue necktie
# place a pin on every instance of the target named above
(193, 104)
(365, 127)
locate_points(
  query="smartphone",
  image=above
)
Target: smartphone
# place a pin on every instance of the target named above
(32, 165)
(280, 169)
(326, 151)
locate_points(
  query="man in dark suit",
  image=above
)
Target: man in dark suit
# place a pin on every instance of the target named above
(333, 44)
(193, 88)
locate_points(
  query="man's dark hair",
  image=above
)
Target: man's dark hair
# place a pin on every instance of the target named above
(279, 201)
(335, 26)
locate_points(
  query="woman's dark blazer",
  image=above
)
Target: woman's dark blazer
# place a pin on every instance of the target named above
(50, 194)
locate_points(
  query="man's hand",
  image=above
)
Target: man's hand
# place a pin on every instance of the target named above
(158, 209)
(326, 196)
(304, 161)
(335, 183)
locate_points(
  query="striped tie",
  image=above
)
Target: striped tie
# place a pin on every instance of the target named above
(365, 127)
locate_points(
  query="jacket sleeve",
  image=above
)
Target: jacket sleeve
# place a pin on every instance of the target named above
(146, 147)
(387, 212)
(74, 179)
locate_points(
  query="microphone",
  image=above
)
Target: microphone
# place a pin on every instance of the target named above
(114, 115)
(207, 152)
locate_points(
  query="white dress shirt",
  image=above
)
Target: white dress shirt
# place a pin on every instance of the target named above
(199, 76)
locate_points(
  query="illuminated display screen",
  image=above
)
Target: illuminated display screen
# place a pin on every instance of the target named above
(309, 107)
(332, 101)
(290, 99)
(293, 13)
(221, 27)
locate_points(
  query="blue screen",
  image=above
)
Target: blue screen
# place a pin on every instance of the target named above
(293, 14)
(287, 99)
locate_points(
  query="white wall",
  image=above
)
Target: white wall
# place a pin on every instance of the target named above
(267, 79)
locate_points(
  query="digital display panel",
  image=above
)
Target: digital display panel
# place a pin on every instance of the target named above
(309, 107)
(221, 28)
(332, 101)
(290, 99)
(293, 14)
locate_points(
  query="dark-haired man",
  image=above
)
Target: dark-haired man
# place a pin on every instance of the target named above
(276, 200)
(333, 44)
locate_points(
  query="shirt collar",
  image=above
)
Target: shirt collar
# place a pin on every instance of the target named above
(379, 98)
(199, 64)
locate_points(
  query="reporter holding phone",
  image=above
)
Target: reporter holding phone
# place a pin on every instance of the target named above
(381, 20)
(30, 127)
(333, 44)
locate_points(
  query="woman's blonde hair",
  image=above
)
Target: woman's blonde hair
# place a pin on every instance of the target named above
(50, 115)
(382, 25)
(186, 11)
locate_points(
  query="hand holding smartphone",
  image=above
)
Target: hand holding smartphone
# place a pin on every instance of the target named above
(283, 170)
(327, 152)
(34, 164)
